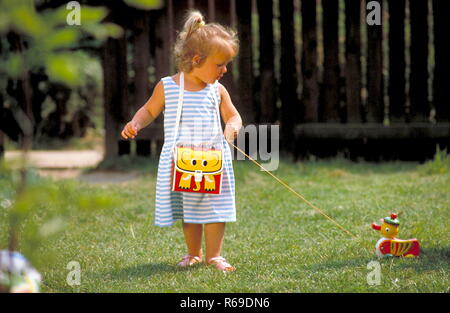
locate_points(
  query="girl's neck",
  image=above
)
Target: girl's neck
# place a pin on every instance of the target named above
(192, 82)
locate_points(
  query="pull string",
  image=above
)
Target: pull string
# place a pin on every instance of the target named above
(296, 193)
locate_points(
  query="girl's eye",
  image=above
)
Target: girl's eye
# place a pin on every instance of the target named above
(204, 163)
(194, 162)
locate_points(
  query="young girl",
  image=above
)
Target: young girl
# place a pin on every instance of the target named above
(202, 52)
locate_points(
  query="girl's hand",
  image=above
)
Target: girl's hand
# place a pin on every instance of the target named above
(130, 130)
(231, 132)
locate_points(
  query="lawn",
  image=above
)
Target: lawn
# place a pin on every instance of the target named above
(278, 244)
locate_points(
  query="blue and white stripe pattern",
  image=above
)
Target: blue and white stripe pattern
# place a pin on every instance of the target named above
(198, 124)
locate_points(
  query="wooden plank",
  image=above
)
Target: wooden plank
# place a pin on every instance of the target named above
(115, 85)
(141, 63)
(223, 15)
(375, 94)
(245, 61)
(353, 60)
(310, 88)
(141, 57)
(172, 33)
(266, 62)
(418, 86)
(162, 56)
(331, 61)
(397, 63)
(441, 93)
(180, 8)
(373, 131)
(160, 45)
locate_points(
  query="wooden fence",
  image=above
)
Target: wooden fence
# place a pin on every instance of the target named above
(316, 67)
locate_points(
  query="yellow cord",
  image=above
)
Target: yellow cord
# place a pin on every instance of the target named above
(296, 193)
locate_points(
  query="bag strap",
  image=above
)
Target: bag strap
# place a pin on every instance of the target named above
(180, 106)
(215, 88)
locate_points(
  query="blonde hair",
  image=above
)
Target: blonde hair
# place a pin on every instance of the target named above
(198, 38)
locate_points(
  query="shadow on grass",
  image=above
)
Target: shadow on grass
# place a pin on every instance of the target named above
(339, 264)
(145, 270)
(430, 259)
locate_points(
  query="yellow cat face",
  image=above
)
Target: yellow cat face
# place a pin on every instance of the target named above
(193, 160)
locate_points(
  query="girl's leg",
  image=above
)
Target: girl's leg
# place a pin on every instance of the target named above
(193, 238)
(214, 239)
(214, 234)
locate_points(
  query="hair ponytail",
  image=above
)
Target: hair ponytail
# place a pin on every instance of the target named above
(198, 38)
(194, 20)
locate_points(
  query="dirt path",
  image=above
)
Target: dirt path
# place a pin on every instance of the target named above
(70, 164)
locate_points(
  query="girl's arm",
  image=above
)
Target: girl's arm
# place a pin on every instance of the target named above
(230, 115)
(146, 114)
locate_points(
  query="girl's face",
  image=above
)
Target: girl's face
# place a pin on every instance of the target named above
(214, 67)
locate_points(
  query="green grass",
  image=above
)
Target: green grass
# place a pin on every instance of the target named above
(278, 243)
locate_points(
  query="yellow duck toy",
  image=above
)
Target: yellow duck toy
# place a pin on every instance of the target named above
(389, 245)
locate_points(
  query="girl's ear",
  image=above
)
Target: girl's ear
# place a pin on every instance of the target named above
(195, 60)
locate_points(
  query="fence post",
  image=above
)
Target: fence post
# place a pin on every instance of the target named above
(310, 90)
(418, 87)
(266, 62)
(397, 64)
(245, 59)
(353, 60)
(115, 86)
(290, 106)
(141, 63)
(441, 93)
(375, 94)
(223, 15)
(331, 61)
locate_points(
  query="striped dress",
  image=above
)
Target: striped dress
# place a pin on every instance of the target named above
(198, 124)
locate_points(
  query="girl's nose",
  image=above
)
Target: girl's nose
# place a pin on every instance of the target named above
(224, 69)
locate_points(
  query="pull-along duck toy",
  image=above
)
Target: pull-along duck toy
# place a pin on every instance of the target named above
(389, 245)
